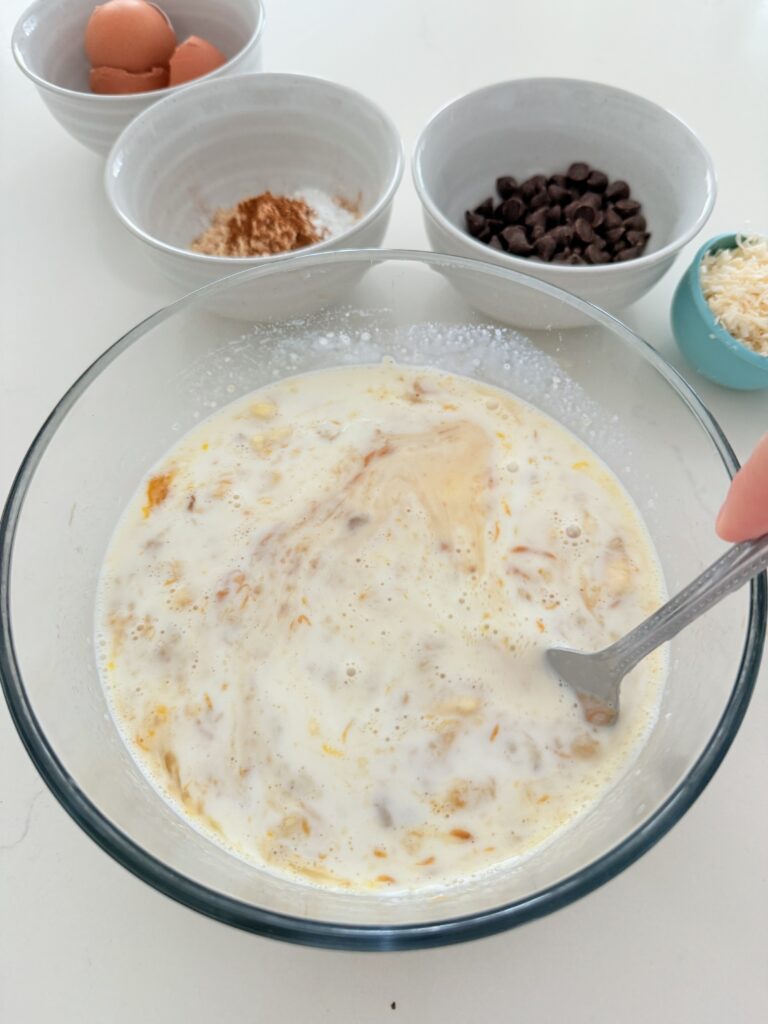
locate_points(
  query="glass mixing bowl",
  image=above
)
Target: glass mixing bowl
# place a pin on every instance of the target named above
(143, 393)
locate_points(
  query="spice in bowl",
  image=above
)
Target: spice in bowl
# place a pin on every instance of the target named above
(267, 224)
(735, 284)
(579, 217)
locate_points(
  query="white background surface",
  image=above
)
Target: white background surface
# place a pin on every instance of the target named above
(683, 934)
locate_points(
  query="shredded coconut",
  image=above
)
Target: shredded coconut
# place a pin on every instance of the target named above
(735, 285)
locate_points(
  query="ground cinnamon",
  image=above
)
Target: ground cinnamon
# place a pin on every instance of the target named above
(260, 226)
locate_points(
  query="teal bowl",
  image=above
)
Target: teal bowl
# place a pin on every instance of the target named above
(707, 346)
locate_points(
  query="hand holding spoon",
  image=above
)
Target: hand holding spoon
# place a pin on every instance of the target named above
(743, 520)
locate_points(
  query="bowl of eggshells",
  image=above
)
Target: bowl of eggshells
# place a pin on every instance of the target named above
(97, 67)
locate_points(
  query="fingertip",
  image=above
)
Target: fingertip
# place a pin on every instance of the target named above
(724, 526)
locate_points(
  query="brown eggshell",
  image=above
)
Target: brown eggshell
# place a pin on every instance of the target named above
(193, 58)
(116, 82)
(131, 35)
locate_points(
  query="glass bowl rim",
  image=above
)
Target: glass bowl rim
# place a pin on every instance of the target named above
(329, 934)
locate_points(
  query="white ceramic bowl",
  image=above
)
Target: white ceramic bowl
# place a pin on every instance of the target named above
(541, 125)
(48, 47)
(215, 143)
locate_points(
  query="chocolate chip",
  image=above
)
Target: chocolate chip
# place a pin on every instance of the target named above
(562, 234)
(583, 212)
(592, 199)
(627, 207)
(538, 216)
(578, 172)
(583, 230)
(629, 254)
(485, 209)
(545, 247)
(570, 210)
(635, 223)
(574, 218)
(506, 186)
(617, 190)
(532, 185)
(593, 254)
(512, 210)
(475, 223)
(558, 194)
(597, 181)
(516, 242)
(611, 219)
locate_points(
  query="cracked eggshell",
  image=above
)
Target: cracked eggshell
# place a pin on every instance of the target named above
(193, 58)
(130, 35)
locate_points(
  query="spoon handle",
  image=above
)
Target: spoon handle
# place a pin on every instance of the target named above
(739, 564)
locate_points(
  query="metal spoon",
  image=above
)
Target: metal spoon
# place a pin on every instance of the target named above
(596, 678)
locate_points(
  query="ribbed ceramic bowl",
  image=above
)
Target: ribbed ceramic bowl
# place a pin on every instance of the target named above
(606, 385)
(48, 47)
(541, 125)
(708, 347)
(215, 143)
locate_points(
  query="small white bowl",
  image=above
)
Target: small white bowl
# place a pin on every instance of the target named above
(48, 47)
(541, 125)
(215, 143)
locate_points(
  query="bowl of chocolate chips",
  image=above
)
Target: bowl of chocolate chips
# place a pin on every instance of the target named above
(583, 185)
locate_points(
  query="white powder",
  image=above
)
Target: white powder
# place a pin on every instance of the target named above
(330, 216)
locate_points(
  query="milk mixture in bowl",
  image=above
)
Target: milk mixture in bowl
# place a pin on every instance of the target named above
(322, 622)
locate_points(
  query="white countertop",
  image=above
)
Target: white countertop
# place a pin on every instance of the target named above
(680, 936)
